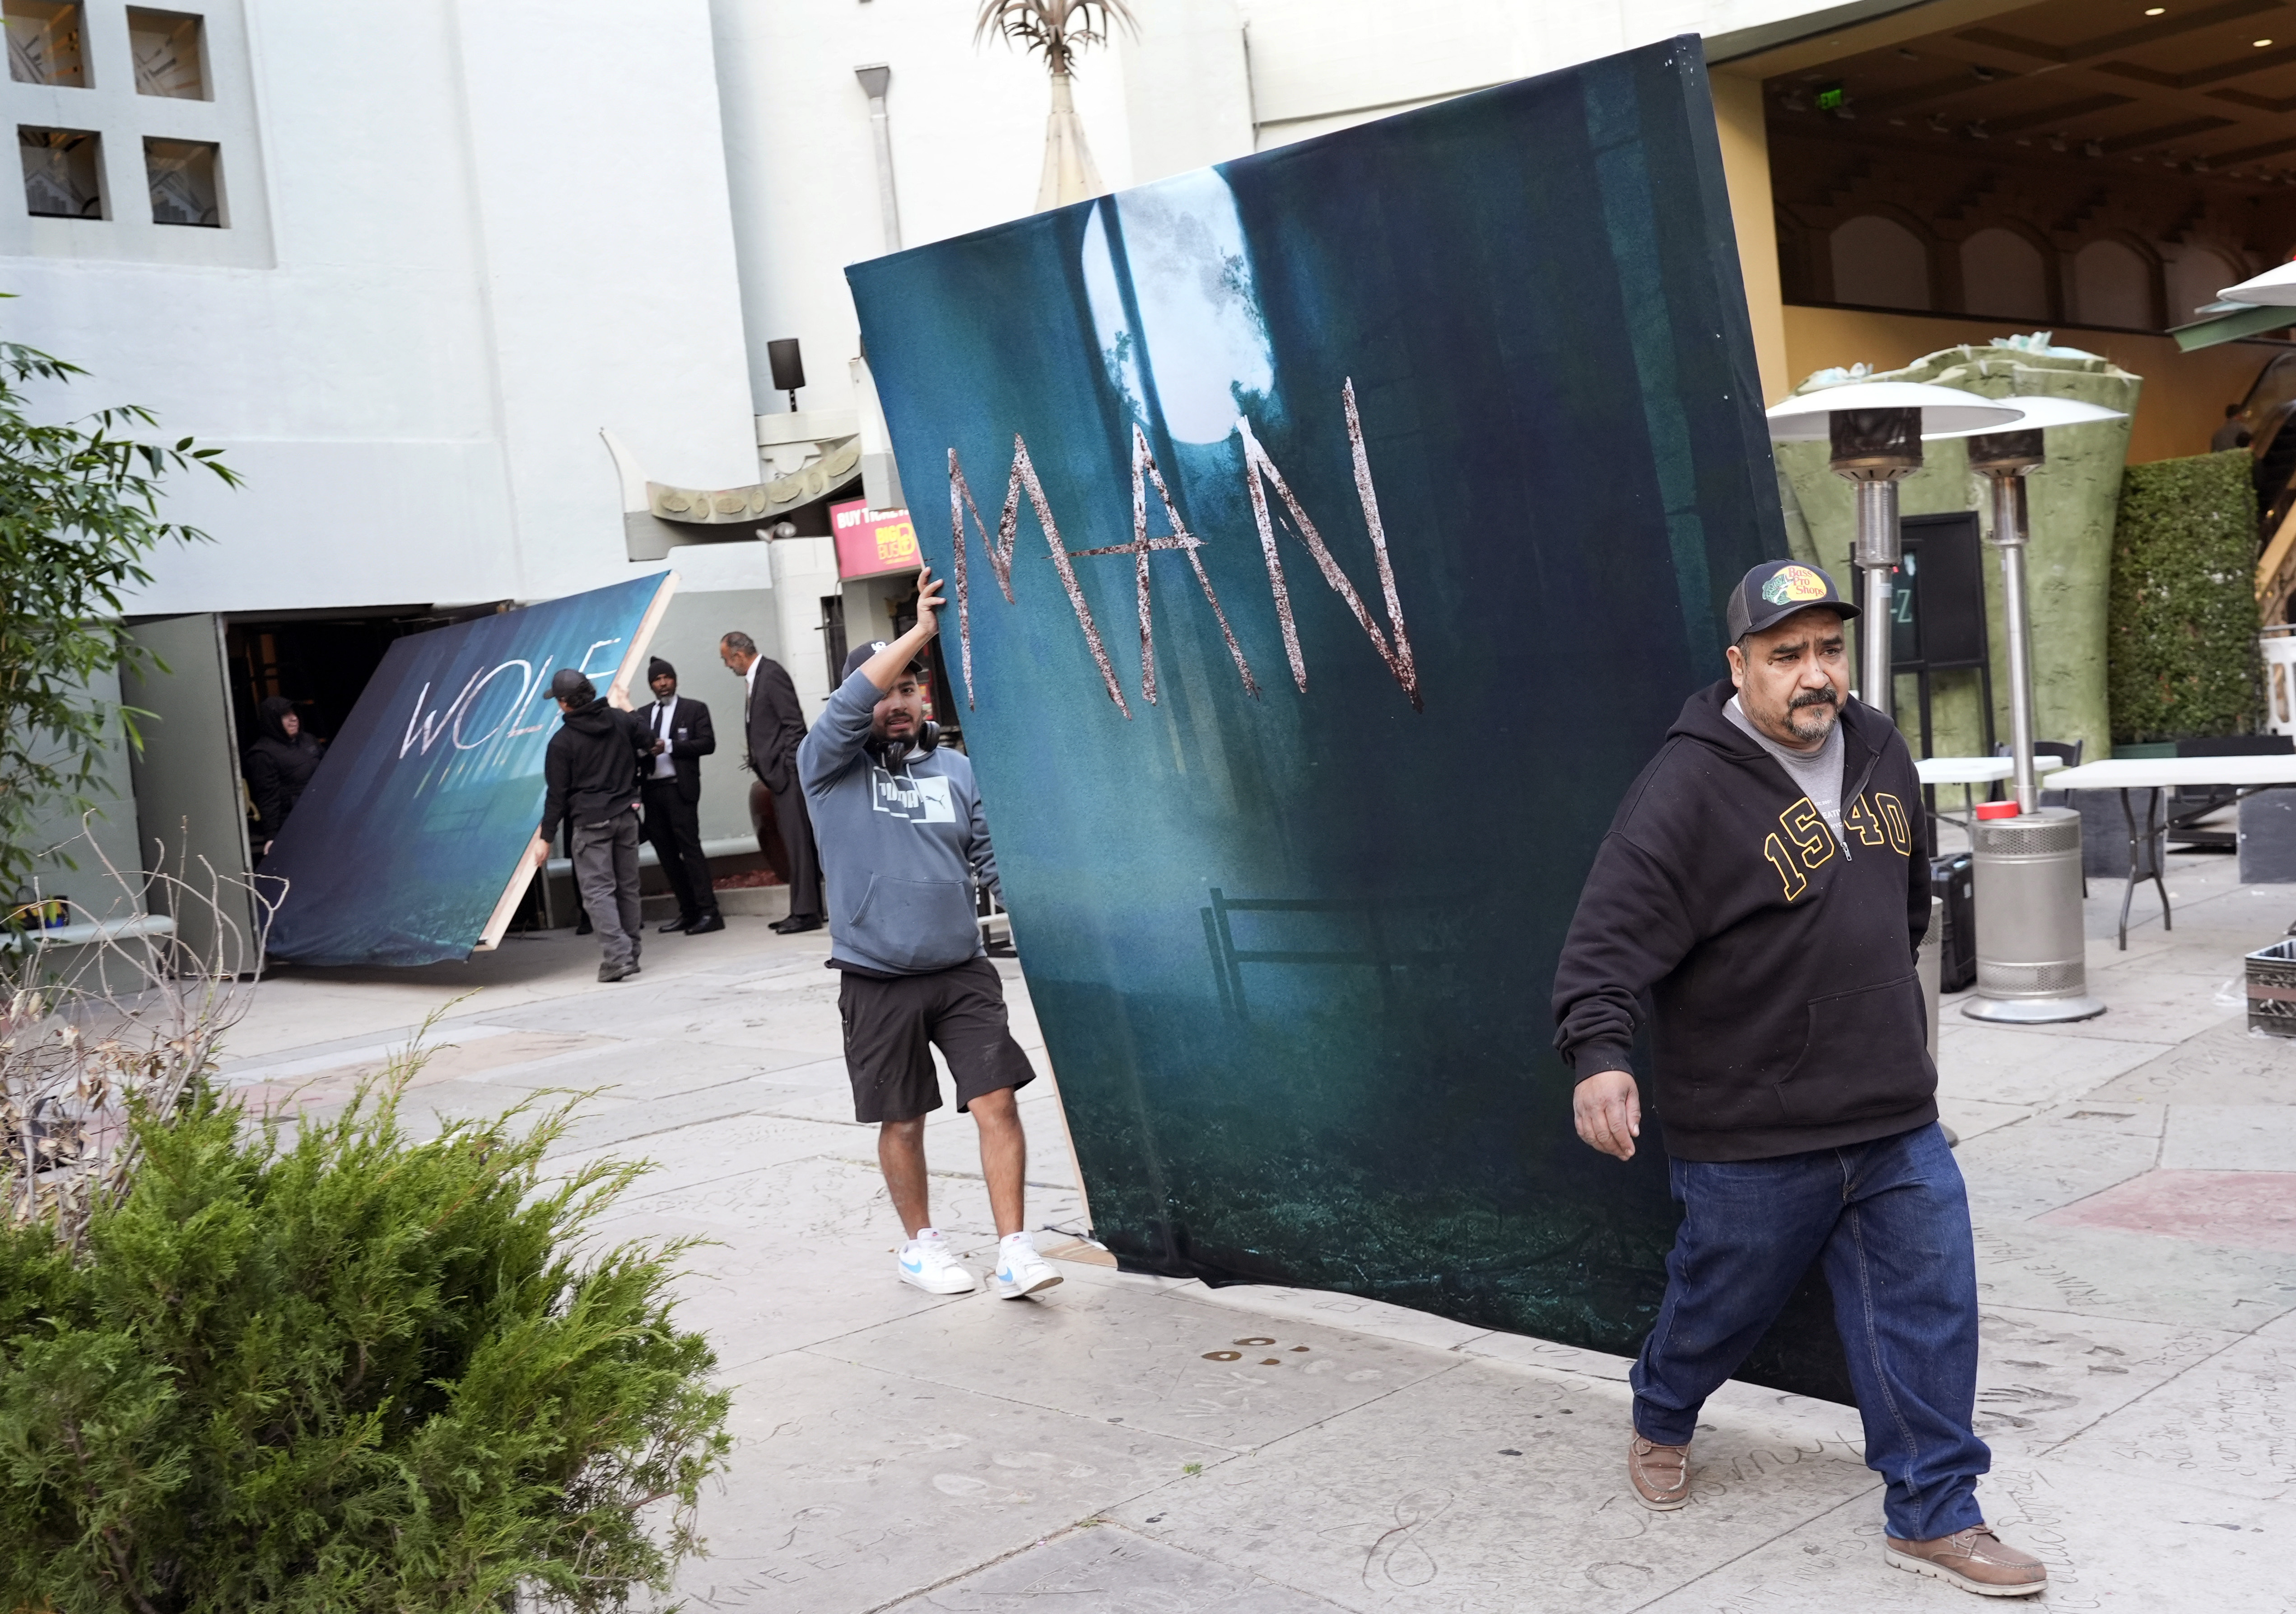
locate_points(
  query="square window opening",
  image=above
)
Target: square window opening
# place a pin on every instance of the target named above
(47, 41)
(187, 186)
(63, 173)
(170, 51)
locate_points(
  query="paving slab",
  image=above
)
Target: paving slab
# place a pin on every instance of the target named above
(2140, 1277)
(2015, 1173)
(1355, 1313)
(2227, 1423)
(1150, 1360)
(2231, 1137)
(1489, 1489)
(853, 1488)
(756, 1297)
(2033, 1067)
(1969, 1118)
(2227, 1064)
(2109, 1544)
(2044, 1377)
(1105, 1568)
(2248, 1210)
(744, 1144)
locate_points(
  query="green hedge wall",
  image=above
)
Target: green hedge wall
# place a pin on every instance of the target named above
(2182, 629)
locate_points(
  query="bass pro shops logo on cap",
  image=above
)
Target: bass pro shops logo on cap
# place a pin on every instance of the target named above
(1795, 585)
(1777, 589)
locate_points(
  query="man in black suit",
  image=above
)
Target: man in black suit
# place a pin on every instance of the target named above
(773, 724)
(671, 786)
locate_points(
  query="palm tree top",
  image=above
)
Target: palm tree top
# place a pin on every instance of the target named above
(1059, 28)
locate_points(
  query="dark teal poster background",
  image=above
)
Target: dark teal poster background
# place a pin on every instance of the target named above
(1291, 845)
(422, 806)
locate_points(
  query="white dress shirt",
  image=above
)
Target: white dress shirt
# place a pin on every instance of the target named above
(665, 713)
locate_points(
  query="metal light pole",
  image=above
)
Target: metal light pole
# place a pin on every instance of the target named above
(1875, 431)
(2032, 953)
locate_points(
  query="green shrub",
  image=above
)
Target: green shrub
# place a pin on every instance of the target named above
(2183, 656)
(345, 1371)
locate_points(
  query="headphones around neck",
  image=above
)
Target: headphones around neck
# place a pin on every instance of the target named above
(926, 741)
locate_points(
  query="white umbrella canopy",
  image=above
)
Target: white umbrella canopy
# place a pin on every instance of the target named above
(1945, 410)
(2274, 286)
(2039, 415)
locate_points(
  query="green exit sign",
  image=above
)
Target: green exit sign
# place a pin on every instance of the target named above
(1831, 98)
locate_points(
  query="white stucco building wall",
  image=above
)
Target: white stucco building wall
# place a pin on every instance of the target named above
(494, 226)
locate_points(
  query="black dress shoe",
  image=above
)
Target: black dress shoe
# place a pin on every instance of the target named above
(583, 928)
(682, 922)
(708, 922)
(797, 924)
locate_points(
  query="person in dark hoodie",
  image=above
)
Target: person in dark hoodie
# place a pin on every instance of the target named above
(590, 774)
(1763, 888)
(277, 766)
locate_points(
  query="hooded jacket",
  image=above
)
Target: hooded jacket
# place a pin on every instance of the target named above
(904, 844)
(1778, 961)
(277, 768)
(590, 771)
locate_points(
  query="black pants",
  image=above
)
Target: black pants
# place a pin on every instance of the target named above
(799, 864)
(673, 825)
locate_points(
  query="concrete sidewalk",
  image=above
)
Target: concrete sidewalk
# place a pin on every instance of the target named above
(1137, 1444)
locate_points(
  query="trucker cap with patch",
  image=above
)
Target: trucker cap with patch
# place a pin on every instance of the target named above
(1775, 590)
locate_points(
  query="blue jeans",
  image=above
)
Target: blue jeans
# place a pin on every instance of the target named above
(1890, 1221)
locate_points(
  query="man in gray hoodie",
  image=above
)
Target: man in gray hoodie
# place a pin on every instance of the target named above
(904, 848)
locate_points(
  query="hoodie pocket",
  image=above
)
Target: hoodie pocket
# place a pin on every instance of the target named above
(1866, 1053)
(917, 924)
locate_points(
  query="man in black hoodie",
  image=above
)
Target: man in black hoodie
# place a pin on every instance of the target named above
(1763, 887)
(590, 771)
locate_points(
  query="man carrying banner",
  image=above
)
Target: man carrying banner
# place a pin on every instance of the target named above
(590, 774)
(1763, 888)
(903, 846)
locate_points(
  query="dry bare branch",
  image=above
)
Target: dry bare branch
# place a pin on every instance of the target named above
(93, 1028)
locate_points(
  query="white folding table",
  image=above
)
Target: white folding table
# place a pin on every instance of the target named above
(2154, 774)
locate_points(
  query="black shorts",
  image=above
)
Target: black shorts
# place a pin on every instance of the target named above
(892, 1027)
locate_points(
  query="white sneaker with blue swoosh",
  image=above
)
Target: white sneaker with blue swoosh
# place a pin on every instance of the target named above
(1021, 1271)
(928, 1263)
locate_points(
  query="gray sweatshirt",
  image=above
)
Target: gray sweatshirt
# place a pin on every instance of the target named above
(902, 847)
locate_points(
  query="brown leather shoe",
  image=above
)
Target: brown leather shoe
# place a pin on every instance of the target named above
(1660, 1474)
(1975, 1560)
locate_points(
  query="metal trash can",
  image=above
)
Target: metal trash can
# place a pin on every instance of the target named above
(2272, 989)
(2032, 957)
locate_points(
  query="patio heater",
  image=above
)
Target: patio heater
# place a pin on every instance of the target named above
(1875, 430)
(2032, 957)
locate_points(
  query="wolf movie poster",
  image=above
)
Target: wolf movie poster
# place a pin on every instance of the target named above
(410, 845)
(1331, 536)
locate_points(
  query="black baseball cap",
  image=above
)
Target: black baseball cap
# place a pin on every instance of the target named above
(1777, 589)
(568, 684)
(860, 653)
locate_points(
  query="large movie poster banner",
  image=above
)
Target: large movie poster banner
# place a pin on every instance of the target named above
(1332, 536)
(410, 845)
